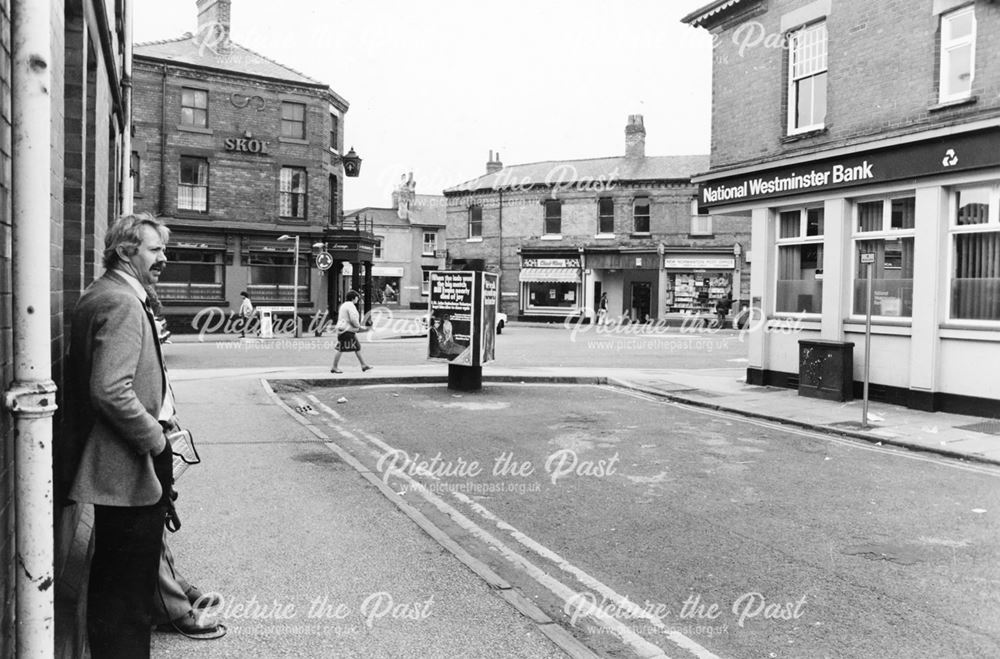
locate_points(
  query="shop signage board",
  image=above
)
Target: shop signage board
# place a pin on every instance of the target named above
(703, 263)
(550, 263)
(941, 155)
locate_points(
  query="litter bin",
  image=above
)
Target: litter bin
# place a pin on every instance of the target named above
(826, 369)
(266, 322)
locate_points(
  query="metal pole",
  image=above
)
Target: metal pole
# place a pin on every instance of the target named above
(295, 292)
(31, 398)
(868, 343)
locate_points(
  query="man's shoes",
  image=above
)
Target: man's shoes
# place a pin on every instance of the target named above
(201, 601)
(190, 625)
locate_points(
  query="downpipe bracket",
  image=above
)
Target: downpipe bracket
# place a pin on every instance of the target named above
(31, 400)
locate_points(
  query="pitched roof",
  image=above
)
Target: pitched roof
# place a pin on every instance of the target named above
(587, 171)
(195, 51)
(426, 210)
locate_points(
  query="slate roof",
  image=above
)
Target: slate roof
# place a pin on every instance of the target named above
(619, 168)
(234, 58)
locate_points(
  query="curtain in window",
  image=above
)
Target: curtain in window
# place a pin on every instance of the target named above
(976, 281)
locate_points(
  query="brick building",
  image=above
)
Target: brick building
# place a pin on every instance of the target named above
(562, 233)
(409, 244)
(852, 131)
(64, 129)
(235, 151)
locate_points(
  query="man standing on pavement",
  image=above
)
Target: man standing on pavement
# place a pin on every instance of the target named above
(123, 406)
(246, 313)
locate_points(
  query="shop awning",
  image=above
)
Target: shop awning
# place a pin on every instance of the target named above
(549, 274)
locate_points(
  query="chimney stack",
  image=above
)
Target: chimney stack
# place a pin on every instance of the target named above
(635, 137)
(493, 165)
(213, 21)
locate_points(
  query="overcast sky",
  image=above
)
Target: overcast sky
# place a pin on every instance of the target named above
(433, 85)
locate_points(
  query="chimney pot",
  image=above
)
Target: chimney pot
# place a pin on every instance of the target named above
(494, 165)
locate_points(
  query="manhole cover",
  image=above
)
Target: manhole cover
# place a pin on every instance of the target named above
(989, 427)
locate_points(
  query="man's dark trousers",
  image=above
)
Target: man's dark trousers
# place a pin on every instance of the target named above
(123, 573)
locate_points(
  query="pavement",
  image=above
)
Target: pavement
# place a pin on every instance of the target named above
(315, 559)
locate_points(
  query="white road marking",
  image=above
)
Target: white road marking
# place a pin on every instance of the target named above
(564, 592)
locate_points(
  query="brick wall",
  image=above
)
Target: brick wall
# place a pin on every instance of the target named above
(882, 77)
(243, 186)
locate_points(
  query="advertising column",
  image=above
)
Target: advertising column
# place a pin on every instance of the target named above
(462, 324)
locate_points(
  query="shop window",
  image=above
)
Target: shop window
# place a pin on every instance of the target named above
(192, 186)
(194, 107)
(640, 215)
(475, 221)
(958, 54)
(807, 78)
(799, 286)
(605, 215)
(975, 270)
(552, 294)
(192, 274)
(292, 197)
(885, 228)
(430, 243)
(272, 278)
(553, 217)
(293, 120)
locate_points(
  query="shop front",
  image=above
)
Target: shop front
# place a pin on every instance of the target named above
(387, 284)
(629, 278)
(551, 287)
(917, 221)
(696, 281)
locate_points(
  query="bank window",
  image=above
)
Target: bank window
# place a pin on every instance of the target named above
(640, 215)
(192, 274)
(958, 53)
(292, 196)
(192, 185)
(799, 286)
(605, 215)
(885, 229)
(293, 120)
(194, 107)
(701, 223)
(475, 221)
(975, 254)
(430, 243)
(807, 78)
(272, 278)
(553, 217)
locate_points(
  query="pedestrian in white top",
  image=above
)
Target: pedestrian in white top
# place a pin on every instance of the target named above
(246, 313)
(348, 324)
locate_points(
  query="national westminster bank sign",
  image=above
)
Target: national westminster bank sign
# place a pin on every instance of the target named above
(941, 155)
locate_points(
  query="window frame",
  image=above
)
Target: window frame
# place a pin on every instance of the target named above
(166, 289)
(377, 249)
(475, 222)
(429, 252)
(194, 110)
(549, 218)
(636, 217)
(259, 292)
(802, 238)
(991, 226)
(335, 132)
(885, 233)
(792, 91)
(695, 230)
(946, 48)
(425, 279)
(288, 122)
(181, 185)
(602, 217)
(293, 196)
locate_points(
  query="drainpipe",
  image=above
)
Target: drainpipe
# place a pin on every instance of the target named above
(126, 164)
(31, 398)
(163, 142)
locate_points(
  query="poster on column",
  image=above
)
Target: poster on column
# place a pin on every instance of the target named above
(452, 300)
(488, 328)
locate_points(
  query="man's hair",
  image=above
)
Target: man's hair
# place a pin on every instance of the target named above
(351, 296)
(126, 232)
(244, 294)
